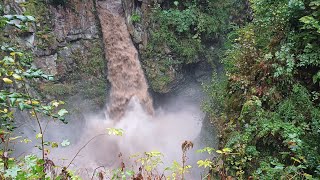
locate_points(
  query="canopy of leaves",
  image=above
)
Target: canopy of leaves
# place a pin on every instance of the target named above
(186, 26)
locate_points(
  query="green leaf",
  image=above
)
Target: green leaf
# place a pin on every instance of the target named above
(114, 131)
(54, 145)
(12, 172)
(62, 112)
(39, 135)
(65, 143)
(21, 17)
(7, 80)
(2, 97)
(226, 150)
(50, 78)
(130, 173)
(12, 101)
(14, 95)
(9, 17)
(17, 77)
(8, 60)
(205, 163)
(26, 141)
(31, 160)
(307, 176)
(31, 18)
(21, 106)
(19, 26)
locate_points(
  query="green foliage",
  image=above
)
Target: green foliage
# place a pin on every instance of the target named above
(215, 90)
(185, 27)
(135, 17)
(181, 32)
(216, 165)
(65, 143)
(177, 170)
(119, 174)
(205, 163)
(31, 167)
(160, 75)
(37, 9)
(150, 160)
(10, 20)
(272, 105)
(311, 21)
(16, 75)
(114, 131)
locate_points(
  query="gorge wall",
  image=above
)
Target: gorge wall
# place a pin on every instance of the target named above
(67, 42)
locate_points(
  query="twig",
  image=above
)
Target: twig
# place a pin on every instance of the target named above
(95, 171)
(40, 128)
(41, 131)
(83, 148)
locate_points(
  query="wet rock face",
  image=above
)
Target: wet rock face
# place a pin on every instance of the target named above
(65, 41)
(137, 14)
(57, 28)
(47, 63)
(75, 22)
(203, 72)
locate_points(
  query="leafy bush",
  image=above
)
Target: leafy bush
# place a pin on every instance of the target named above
(272, 103)
(184, 28)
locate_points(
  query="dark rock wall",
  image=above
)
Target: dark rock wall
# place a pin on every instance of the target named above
(65, 42)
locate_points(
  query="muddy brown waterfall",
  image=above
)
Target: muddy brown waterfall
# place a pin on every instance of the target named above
(124, 70)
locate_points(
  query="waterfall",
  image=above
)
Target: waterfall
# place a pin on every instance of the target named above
(124, 69)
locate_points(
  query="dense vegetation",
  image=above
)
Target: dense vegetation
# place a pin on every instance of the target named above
(184, 32)
(271, 107)
(269, 103)
(267, 106)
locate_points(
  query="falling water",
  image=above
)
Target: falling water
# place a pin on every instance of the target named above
(179, 118)
(124, 69)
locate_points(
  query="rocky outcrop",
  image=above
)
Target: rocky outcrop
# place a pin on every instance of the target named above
(72, 29)
(66, 43)
(47, 63)
(74, 22)
(137, 15)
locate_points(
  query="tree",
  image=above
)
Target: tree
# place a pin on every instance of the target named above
(16, 75)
